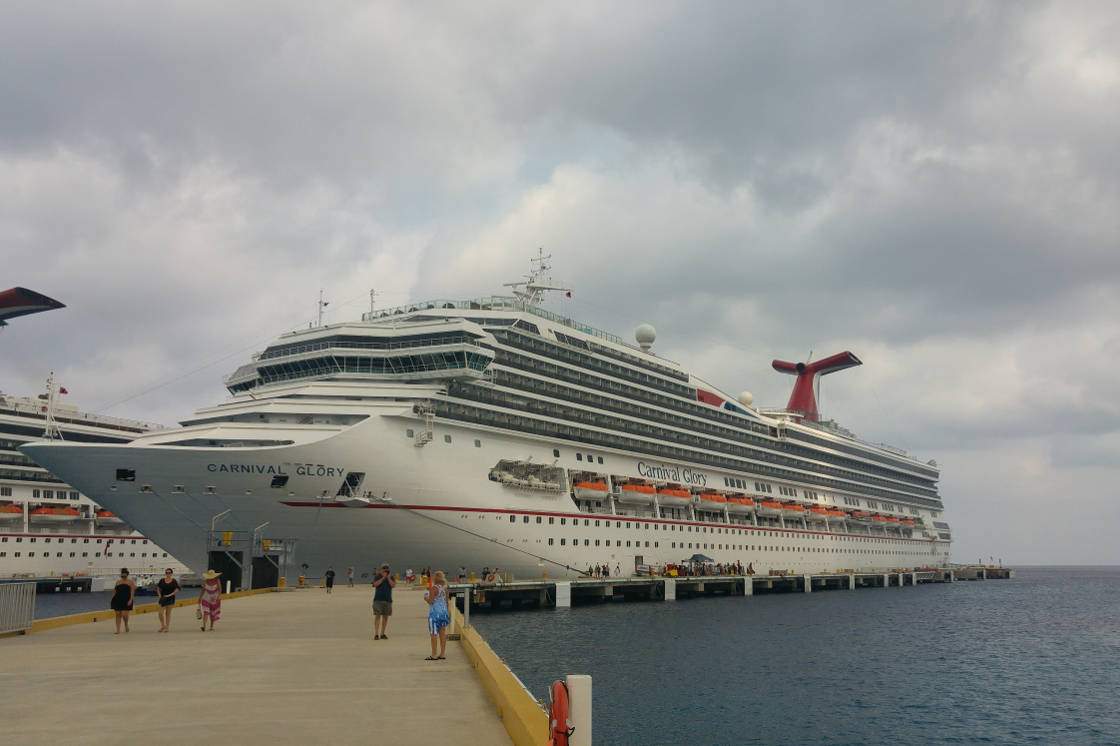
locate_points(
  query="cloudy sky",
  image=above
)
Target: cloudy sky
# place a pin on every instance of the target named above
(933, 186)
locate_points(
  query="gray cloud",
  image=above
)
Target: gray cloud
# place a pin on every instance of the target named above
(933, 187)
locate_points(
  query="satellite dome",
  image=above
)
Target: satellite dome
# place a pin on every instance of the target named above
(746, 398)
(645, 334)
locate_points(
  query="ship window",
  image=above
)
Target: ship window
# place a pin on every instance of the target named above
(279, 480)
(409, 433)
(579, 457)
(126, 475)
(513, 519)
(590, 458)
(446, 438)
(29, 554)
(538, 519)
(16, 554)
(34, 493)
(587, 542)
(563, 521)
(85, 554)
(600, 459)
(525, 519)
(550, 542)
(550, 520)
(3, 554)
(556, 453)
(563, 542)
(608, 542)
(477, 443)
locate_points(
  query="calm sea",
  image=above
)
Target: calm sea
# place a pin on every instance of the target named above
(1035, 659)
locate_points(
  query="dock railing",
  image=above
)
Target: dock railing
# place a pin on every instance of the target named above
(17, 607)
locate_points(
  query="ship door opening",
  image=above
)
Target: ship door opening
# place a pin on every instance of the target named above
(229, 565)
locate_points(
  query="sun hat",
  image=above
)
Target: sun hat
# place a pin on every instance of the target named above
(210, 575)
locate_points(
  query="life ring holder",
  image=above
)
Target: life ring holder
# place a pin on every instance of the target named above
(559, 722)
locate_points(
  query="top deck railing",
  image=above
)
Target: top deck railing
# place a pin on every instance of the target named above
(492, 303)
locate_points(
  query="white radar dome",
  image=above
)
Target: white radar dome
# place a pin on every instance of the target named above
(746, 398)
(645, 334)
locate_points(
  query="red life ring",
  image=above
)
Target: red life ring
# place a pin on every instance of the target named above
(490, 578)
(559, 725)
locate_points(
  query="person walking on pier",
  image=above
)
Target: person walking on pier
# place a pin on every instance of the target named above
(124, 591)
(383, 586)
(210, 600)
(329, 578)
(438, 617)
(350, 577)
(166, 588)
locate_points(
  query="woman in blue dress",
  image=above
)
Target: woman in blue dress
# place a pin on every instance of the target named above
(438, 617)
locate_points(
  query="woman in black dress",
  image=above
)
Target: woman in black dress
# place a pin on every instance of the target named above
(166, 588)
(123, 593)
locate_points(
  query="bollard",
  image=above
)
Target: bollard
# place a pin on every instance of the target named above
(579, 708)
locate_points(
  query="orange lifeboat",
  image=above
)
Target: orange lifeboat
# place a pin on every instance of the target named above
(54, 515)
(836, 514)
(104, 517)
(676, 497)
(636, 492)
(822, 512)
(879, 518)
(861, 515)
(739, 504)
(10, 512)
(892, 519)
(595, 490)
(769, 508)
(792, 508)
(907, 522)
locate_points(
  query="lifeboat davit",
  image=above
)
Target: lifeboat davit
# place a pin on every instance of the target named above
(673, 497)
(596, 490)
(636, 493)
(770, 508)
(10, 512)
(54, 515)
(105, 518)
(740, 504)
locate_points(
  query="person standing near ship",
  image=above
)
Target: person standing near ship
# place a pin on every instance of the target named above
(210, 600)
(124, 591)
(166, 588)
(382, 602)
(438, 616)
(350, 576)
(329, 576)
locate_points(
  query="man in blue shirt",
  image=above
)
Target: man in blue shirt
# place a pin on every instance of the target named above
(383, 585)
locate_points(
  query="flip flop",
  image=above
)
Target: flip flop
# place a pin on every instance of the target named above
(430, 658)
(441, 658)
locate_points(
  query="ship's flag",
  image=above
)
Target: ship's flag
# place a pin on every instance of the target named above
(568, 294)
(62, 390)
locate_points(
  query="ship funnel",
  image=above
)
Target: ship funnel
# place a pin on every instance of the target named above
(802, 400)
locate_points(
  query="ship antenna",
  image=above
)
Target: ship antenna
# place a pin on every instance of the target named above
(531, 291)
(52, 430)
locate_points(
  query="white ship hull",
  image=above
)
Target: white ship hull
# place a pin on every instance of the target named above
(430, 505)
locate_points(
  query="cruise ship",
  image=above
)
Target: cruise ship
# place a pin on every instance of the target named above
(49, 528)
(494, 432)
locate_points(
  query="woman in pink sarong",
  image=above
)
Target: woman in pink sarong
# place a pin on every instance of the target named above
(210, 600)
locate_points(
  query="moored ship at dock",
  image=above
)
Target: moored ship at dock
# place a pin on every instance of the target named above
(495, 432)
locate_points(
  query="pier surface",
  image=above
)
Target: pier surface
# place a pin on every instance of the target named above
(294, 667)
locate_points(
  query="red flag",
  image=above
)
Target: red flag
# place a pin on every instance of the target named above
(568, 294)
(62, 390)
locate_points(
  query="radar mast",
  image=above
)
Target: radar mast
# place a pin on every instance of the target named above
(530, 292)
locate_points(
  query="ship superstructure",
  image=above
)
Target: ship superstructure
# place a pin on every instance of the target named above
(495, 432)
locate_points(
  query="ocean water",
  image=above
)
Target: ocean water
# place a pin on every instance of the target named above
(1035, 659)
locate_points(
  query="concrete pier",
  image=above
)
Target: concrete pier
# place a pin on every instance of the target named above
(546, 593)
(294, 667)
